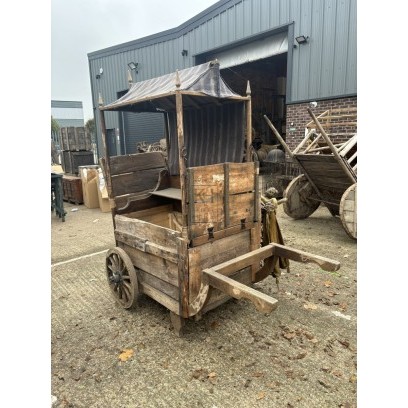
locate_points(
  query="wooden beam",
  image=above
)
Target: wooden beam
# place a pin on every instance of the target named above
(248, 123)
(106, 166)
(279, 137)
(333, 149)
(305, 257)
(303, 142)
(182, 157)
(237, 290)
(183, 277)
(241, 262)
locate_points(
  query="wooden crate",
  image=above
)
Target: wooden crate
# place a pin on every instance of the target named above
(72, 189)
(75, 139)
(72, 160)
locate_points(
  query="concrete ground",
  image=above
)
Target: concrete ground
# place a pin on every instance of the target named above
(301, 355)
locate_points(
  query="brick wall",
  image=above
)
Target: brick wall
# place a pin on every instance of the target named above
(297, 117)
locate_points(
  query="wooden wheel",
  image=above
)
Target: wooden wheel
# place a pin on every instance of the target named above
(122, 277)
(348, 211)
(298, 204)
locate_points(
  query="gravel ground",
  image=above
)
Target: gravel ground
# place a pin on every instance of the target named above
(301, 355)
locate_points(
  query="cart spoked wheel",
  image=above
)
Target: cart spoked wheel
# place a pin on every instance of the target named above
(122, 277)
(348, 211)
(298, 195)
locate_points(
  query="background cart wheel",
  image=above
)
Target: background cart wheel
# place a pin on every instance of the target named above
(298, 204)
(122, 277)
(348, 211)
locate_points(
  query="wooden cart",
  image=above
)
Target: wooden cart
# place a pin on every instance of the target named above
(188, 228)
(329, 171)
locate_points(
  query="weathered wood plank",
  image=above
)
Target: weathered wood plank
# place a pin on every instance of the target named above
(227, 168)
(242, 206)
(213, 253)
(217, 297)
(244, 260)
(136, 162)
(130, 203)
(156, 266)
(150, 211)
(237, 290)
(160, 297)
(305, 257)
(154, 233)
(143, 245)
(158, 284)
(203, 239)
(135, 182)
(183, 277)
(348, 211)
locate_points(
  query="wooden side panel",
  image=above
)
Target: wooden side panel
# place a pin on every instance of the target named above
(135, 162)
(214, 253)
(135, 182)
(156, 266)
(149, 232)
(328, 176)
(133, 177)
(241, 177)
(221, 196)
(242, 208)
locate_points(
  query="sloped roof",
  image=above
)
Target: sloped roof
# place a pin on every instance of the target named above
(204, 80)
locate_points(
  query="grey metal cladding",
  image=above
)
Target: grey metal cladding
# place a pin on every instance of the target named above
(66, 104)
(324, 67)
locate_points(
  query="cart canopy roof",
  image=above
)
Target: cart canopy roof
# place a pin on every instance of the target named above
(201, 80)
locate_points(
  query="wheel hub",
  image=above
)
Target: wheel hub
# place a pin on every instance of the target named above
(116, 278)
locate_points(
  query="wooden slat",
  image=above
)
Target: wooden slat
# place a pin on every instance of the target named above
(154, 233)
(242, 206)
(135, 182)
(161, 268)
(226, 194)
(160, 297)
(147, 246)
(183, 277)
(135, 162)
(158, 284)
(203, 239)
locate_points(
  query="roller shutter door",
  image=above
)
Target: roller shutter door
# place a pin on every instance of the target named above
(142, 127)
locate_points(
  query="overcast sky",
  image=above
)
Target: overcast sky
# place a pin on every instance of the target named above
(79, 27)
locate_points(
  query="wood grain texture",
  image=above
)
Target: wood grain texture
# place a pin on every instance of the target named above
(348, 211)
(159, 267)
(135, 162)
(238, 290)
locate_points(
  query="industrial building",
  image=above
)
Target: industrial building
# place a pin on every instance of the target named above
(292, 52)
(68, 113)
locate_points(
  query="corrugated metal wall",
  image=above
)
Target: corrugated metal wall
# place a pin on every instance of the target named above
(142, 127)
(324, 67)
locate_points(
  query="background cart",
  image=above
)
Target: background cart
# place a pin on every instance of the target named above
(329, 171)
(188, 228)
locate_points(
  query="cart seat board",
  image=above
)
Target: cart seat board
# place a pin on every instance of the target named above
(173, 193)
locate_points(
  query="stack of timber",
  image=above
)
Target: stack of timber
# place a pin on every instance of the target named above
(76, 145)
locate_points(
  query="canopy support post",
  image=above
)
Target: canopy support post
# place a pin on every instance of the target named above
(248, 138)
(182, 156)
